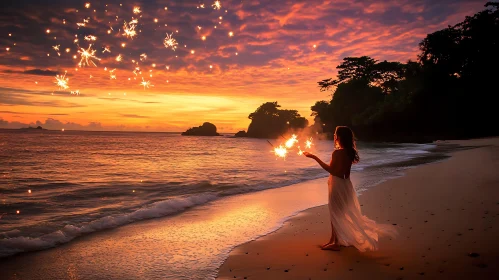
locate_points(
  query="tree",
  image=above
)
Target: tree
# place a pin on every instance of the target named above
(268, 121)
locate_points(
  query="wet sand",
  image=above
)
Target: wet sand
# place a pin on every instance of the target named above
(447, 215)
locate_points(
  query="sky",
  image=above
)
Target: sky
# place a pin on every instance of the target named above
(226, 63)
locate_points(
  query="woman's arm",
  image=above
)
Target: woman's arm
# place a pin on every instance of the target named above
(320, 162)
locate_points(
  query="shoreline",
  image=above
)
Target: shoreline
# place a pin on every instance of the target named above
(257, 208)
(291, 252)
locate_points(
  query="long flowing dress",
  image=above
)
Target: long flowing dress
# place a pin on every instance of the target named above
(351, 227)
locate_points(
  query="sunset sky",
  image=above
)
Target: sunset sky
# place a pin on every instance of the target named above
(277, 52)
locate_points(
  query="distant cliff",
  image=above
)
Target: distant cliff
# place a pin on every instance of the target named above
(207, 129)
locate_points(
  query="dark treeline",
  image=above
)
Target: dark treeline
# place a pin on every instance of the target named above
(449, 92)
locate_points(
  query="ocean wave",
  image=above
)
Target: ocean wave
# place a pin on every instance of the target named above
(20, 244)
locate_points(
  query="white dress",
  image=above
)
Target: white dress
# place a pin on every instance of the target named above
(351, 227)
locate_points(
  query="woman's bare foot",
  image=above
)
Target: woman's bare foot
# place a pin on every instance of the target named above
(331, 247)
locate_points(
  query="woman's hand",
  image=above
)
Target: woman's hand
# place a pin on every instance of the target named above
(309, 155)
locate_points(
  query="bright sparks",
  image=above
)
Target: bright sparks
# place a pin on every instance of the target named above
(291, 141)
(170, 42)
(129, 28)
(217, 5)
(90, 38)
(119, 58)
(281, 151)
(146, 84)
(87, 56)
(56, 48)
(231, 34)
(143, 57)
(87, 5)
(136, 10)
(61, 81)
(106, 49)
(309, 143)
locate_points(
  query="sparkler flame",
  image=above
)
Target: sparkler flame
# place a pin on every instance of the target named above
(170, 42)
(217, 5)
(62, 81)
(87, 55)
(281, 151)
(291, 141)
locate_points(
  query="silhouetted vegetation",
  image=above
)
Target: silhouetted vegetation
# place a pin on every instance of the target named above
(207, 129)
(268, 121)
(448, 93)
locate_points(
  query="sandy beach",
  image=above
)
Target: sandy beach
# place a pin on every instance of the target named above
(446, 214)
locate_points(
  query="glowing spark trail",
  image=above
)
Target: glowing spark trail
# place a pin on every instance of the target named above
(119, 58)
(56, 48)
(291, 141)
(77, 92)
(136, 10)
(217, 5)
(300, 152)
(143, 57)
(129, 28)
(87, 56)
(106, 49)
(170, 42)
(145, 83)
(62, 81)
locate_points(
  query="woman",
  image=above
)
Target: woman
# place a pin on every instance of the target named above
(348, 226)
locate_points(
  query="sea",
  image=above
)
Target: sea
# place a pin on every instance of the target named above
(58, 186)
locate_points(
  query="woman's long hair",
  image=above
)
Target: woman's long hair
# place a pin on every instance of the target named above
(346, 140)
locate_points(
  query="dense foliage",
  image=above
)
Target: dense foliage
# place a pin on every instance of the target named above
(447, 93)
(268, 121)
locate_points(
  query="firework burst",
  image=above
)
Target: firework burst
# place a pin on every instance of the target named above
(87, 55)
(170, 42)
(217, 5)
(145, 83)
(61, 81)
(129, 28)
(90, 38)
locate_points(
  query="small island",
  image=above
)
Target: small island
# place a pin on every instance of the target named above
(207, 129)
(33, 128)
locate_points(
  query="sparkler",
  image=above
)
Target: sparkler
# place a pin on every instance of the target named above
(129, 28)
(87, 56)
(291, 141)
(309, 143)
(217, 5)
(281, 151)
(62, 81)
(145, 83)
(170, 42)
